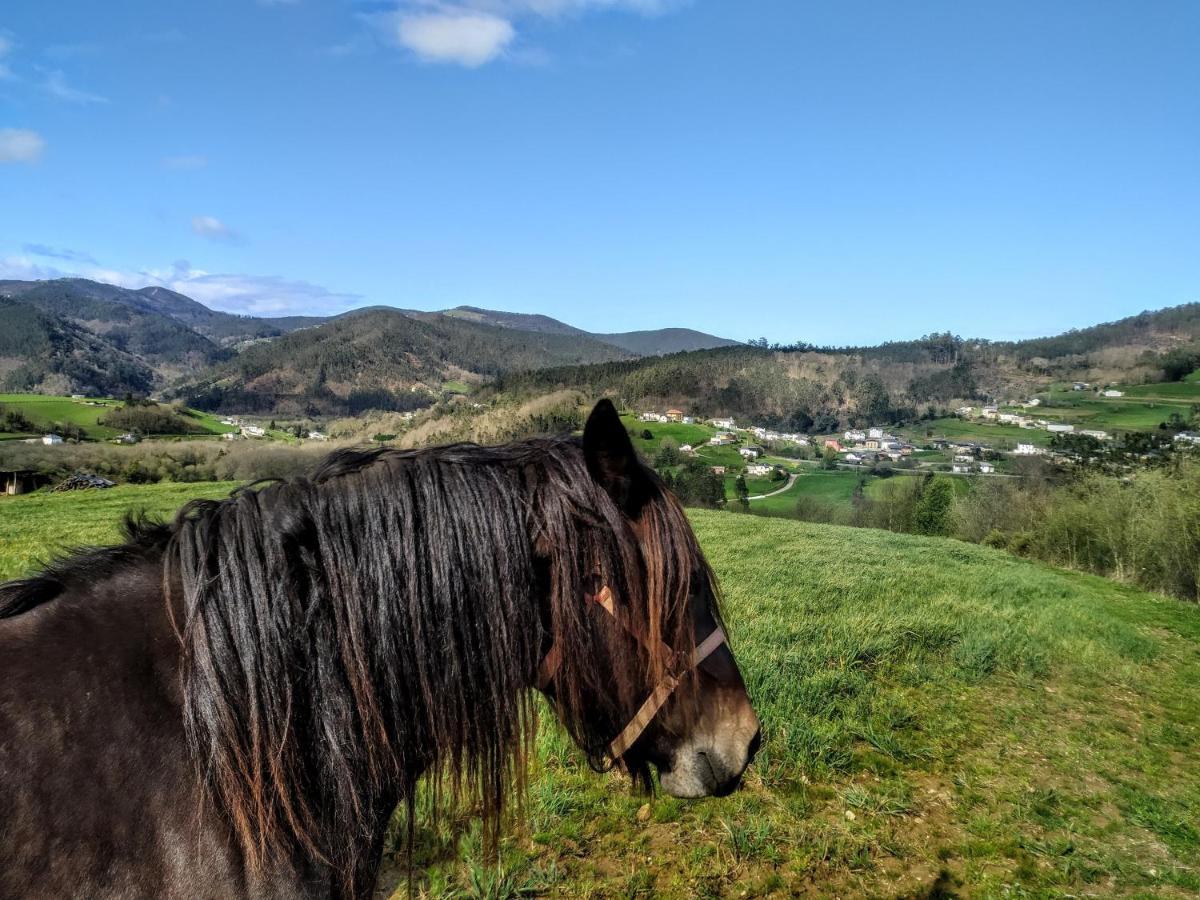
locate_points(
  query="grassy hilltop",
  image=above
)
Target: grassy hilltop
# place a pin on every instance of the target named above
(939, 717)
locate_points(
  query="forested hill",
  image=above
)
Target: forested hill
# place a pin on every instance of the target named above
(817, 388)
(378, 359)
(48, 353)
(113, 340)
(653, 342)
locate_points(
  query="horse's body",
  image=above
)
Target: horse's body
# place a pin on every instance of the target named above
(98, 797)
(235, 704)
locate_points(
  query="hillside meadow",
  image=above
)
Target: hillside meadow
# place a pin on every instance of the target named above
(50, 413)
(941, 719)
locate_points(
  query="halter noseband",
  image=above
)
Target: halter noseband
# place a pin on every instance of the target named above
(662, 691)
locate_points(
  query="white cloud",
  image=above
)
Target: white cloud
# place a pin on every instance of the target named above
(187, 161)
(467, 38)
(474, 32)
(20, 145)
(56, 85)
(212, 228)
(24, 268)
(258, 295)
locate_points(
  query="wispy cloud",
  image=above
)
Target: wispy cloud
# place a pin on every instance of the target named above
(20, 145)
(259, 295)
(185, 162)
(212, 228)
(67, 255)
(472, 33)
(56, 85)
(6, 48)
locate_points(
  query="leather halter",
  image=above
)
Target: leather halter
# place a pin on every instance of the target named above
(662, 691)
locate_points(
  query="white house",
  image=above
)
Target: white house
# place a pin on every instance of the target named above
(52, 439)
(1112, 393)
(317, 436)
(689, 420)
(686, 448)
(852, 458)
(1098, 435)
(253, 431)
(854, 436)
(875, 432)
(965, 411)
(1026, 450)
(1188, 437)
(758, 469)
(987, 468)
(1080, 386)
(963, 457)
(1033, 401)
(961, 468)
(1060, 428)
(990, 412)
(747, 453)
(725, 424)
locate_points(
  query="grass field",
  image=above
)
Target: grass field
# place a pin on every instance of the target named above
(996, 436)
(46, 412)
(941, 719)
(1187, 391)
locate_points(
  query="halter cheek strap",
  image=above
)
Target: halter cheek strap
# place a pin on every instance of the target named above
(658, 696)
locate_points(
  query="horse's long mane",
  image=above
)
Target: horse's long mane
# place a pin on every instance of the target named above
(384, 617)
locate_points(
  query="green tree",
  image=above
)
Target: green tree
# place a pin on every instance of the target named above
(742, 490)
(932, 515)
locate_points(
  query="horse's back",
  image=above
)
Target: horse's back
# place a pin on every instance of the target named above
(97, 796)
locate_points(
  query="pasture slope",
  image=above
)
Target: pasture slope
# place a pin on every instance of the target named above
(48, 413)
(941, 719)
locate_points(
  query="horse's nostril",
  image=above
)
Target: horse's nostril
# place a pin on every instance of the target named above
(755, 743)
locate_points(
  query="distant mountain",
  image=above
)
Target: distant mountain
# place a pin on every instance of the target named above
(222, 327)
(664, 340)
(534, 322)
(44, 353)
(123, 319)
(379, 359)
(641, 343)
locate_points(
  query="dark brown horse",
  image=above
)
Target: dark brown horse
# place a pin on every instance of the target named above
(235, 704)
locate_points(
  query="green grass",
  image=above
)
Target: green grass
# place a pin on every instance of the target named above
(678, 432)
(955, 429)
(940, 719)
(37, 527)
(46, 412)
(1187, 390)
(755, 484)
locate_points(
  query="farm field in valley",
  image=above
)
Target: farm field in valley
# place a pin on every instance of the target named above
(939, 718)
(46, 412)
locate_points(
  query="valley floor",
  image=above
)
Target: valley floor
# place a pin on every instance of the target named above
(941, 719)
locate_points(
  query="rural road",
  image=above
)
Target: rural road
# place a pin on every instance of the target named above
(791, 480)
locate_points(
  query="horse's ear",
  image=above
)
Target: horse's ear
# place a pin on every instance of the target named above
(611, 459)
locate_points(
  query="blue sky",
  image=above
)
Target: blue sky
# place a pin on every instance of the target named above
(840, 172)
